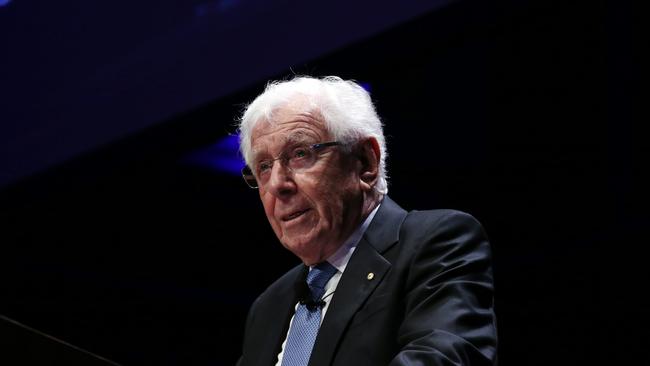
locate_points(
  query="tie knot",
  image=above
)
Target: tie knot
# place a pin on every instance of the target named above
(318, 277)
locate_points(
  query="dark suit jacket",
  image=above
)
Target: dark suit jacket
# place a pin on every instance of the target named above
(430, 301)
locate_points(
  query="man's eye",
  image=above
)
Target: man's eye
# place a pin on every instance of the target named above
(264, 166)
(299, 153)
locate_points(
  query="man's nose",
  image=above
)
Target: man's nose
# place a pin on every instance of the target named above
(281, 182)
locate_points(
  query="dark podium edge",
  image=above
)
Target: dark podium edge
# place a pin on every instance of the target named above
(23, 345)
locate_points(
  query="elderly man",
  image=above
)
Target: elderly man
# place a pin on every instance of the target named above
(378, 285)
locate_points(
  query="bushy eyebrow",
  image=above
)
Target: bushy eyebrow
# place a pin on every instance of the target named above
(298, 138)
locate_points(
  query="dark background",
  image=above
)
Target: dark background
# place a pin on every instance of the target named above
(524, 114)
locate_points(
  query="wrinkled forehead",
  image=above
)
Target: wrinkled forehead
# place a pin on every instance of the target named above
(283, 138)
(288, 125)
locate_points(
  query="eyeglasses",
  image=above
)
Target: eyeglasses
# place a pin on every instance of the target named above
(297, 159)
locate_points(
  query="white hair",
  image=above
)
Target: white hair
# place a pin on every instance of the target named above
(345, 106)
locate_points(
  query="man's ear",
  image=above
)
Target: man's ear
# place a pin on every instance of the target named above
(369, 157)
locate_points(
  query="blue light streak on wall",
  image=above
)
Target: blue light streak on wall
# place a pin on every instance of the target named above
(4, 2)
(222, 156)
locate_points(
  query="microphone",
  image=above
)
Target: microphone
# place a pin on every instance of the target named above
(304, 294)
(304, 297)
(312, 304)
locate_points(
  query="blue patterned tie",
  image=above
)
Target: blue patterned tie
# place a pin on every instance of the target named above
(306, 321)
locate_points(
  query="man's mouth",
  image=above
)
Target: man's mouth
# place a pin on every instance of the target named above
(294, 215)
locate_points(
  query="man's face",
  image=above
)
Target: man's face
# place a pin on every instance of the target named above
(313, 211)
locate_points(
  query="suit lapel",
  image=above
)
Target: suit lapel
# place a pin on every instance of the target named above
(364, 272)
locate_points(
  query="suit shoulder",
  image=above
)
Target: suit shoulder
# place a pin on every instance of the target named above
(444, 229)
(445, 217)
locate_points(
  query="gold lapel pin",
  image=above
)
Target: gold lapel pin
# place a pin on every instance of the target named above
(370, 276)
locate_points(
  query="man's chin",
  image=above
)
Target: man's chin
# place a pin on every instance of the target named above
(307, 250)
(298, 236)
